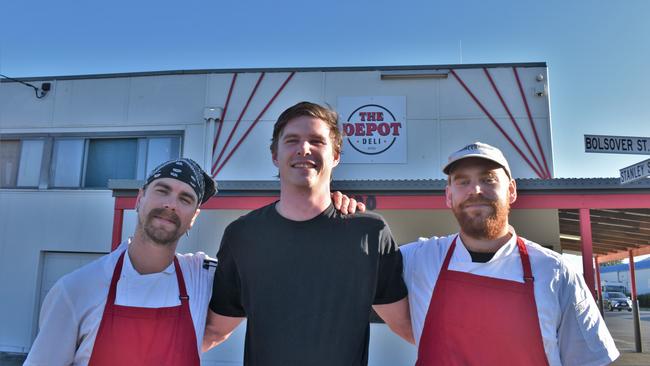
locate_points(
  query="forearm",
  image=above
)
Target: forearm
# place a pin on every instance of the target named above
(403, 330)
(398, 318)
(217, 329)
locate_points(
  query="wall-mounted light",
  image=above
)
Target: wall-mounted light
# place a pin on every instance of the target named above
(212, 113)
(570, 237)
(414, 74)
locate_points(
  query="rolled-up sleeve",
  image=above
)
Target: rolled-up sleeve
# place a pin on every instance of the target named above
(583, 336)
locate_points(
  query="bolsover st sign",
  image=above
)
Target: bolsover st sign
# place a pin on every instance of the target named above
(622, 145)
(374, 129)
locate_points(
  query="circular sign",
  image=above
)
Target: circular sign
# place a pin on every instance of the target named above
(371, 129)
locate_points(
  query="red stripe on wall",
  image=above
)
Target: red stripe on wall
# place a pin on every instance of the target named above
(496, 124)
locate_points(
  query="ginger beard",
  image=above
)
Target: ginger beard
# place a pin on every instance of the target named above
(478, 225)
(160, 234)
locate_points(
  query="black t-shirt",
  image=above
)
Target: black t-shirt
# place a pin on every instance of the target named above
(306, 287)
(481, 257)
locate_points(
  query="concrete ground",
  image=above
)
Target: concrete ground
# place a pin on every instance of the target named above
(620, 325)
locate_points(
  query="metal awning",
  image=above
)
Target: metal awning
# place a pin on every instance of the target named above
(614, 232)
(619, 214)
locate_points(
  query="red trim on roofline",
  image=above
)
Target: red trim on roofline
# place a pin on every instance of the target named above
(530, 118)
(250, 128)
(514, 122)
(223, 117)
(239, 119)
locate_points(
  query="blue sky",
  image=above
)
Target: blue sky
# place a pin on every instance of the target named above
(597, 52)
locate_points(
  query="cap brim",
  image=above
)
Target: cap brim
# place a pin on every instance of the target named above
(480, 156)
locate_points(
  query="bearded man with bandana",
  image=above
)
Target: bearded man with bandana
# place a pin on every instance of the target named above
(142, 304)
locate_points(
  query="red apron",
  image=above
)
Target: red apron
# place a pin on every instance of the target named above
(131, 335)
(478, 320)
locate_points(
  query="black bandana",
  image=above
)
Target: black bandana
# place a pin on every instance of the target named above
(189, 172)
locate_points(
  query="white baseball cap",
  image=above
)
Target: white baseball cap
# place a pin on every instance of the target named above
(478, 150)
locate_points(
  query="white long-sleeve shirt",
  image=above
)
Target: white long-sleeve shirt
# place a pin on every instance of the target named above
(573, 330)
(73, 309)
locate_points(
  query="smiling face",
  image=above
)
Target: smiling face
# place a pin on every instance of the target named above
(305, 154)
(479, 192)
(166, 209)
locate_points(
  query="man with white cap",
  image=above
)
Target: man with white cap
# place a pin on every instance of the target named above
(142, 304)
(486, 296)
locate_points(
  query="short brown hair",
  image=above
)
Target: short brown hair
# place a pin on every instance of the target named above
(327, 115)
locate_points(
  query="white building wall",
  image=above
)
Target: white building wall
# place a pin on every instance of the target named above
(31, 222)
(441, 118)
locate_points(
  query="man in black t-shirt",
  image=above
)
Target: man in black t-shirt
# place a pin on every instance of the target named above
(303, 275)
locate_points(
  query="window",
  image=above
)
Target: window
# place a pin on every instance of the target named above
(20, 162)
(9, 162)
(67, 161)
(110, 158)
(31, 159)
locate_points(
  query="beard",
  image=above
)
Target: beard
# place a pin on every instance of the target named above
(482, 227)
(160, 235)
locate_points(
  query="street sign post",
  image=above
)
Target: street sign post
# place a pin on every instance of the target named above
(635, 172)
(617, 144)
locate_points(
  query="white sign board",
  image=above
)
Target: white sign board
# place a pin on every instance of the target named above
(635, 172)
(617, 144)
(374, 129)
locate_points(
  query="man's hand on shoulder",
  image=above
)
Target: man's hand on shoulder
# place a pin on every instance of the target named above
(347, 205)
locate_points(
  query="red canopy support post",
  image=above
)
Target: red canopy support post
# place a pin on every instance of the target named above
(635, 306)
(118, 219)
(587, 250)
(599, 287)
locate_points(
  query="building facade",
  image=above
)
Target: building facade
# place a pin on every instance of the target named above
(59, 151)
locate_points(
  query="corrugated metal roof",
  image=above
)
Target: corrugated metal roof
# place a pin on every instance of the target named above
(611, 185)
(432, 186)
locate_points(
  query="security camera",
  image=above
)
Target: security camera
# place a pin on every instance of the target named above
(43, 90)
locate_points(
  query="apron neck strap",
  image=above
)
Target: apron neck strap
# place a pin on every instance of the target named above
(525, 261)
(116, 276)
(181, 282)
(523, 255)
(118, 271)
